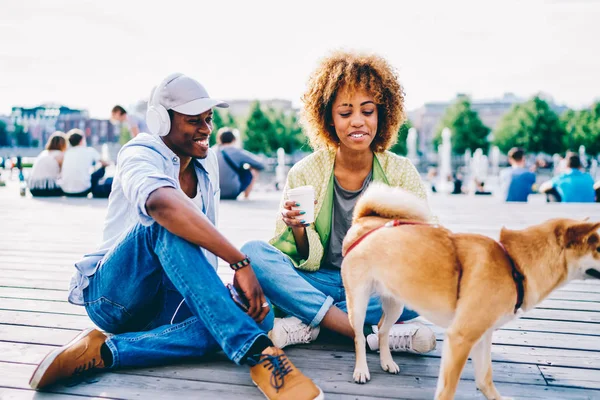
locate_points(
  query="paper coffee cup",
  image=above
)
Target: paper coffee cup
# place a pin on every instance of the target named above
(305, 196)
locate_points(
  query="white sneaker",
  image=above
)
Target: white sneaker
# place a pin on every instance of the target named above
(412, 337)
(290, 330)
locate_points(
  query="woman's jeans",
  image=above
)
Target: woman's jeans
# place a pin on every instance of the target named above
(302, 294)
(137, 294)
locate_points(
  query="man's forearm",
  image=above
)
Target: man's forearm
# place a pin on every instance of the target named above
(173, 210)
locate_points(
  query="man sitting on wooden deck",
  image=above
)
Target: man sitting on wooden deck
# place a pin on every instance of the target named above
(154, 283)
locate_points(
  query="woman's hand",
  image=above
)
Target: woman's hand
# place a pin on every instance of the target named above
(292, 218)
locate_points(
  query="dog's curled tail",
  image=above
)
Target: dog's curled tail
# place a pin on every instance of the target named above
(391, 202)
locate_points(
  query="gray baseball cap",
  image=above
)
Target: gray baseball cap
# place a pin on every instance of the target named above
(187, 96)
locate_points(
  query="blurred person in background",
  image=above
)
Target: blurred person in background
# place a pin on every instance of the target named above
(517, 181)
(45, 174)
(130, 125)
(235, 178)
(77, 178)
(571, 186)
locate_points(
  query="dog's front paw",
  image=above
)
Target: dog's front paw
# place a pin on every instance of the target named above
(390, 366)
(361, 375)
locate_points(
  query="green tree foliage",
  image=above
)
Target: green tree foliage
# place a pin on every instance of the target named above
(21, 138)
(217, 124)
(287, 132)
(532, 125)
(259, 129)
(582, 128)
(468, 132)
(400, 146)
(267, 131)
(4, 139)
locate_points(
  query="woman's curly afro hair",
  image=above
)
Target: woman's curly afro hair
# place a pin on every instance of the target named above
(353, 71)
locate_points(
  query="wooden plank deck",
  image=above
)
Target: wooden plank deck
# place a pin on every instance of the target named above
(552, 352)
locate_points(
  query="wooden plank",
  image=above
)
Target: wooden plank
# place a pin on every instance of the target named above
(127, 386)
(36, 335)
(32, 294)
(572, 377)
(44, 320)
(570, 305)
(34, 284)
(500, 353)
(335, 385)
(57, 276)
(578, 296)
(53, 307)
(302, 358)
(538, 325)
(35, 267)
(558, 315)
(24, 394)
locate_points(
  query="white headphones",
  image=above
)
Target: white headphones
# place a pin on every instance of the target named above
(157, 117)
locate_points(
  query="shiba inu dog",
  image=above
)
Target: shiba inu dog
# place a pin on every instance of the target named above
(467, 283)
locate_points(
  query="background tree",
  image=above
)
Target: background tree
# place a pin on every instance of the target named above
(400, 146)
(21, 138)
(468, 132)
(582, 128)
(532, 125)
(259, 130)
(287, 132)
(4, 139)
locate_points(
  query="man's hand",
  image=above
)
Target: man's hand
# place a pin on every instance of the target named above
(245, 281)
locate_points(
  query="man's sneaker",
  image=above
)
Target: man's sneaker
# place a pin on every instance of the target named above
(412, 337)
(278, 379)
(82, 354)
(290, 330)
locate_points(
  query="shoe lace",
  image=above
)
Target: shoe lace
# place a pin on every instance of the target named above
(279, 366)
(401, 341)
(298, 334)
(82, 373)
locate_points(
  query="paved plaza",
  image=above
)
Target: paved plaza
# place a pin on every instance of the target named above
(551, 353)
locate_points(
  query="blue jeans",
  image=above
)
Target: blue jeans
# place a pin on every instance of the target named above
(302, 294)
(137, 294)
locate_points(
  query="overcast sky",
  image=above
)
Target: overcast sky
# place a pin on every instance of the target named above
(95, 54)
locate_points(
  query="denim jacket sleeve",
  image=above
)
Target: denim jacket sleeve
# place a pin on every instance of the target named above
(142, 170)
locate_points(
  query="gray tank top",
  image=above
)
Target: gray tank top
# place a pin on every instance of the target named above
(343, 207)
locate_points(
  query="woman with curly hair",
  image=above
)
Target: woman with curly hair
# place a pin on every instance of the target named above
(353, 108)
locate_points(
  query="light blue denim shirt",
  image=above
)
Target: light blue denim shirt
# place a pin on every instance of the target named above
(144, 164)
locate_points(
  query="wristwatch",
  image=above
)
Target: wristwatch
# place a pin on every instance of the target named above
(240, 264)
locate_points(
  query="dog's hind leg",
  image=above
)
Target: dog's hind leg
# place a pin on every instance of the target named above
(460, 338)
(481, 355)
(392, 309)
(357, 296)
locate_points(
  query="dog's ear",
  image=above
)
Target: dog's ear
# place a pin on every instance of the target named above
(579, 232)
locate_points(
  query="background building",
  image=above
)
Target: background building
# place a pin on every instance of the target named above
(41, 121)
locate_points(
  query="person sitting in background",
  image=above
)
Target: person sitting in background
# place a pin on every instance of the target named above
(131, 126)
(76, 180)
(517, 180)
(572, 186)
(234, 178)
(43, 180)
(597, 189)
(457, 181)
